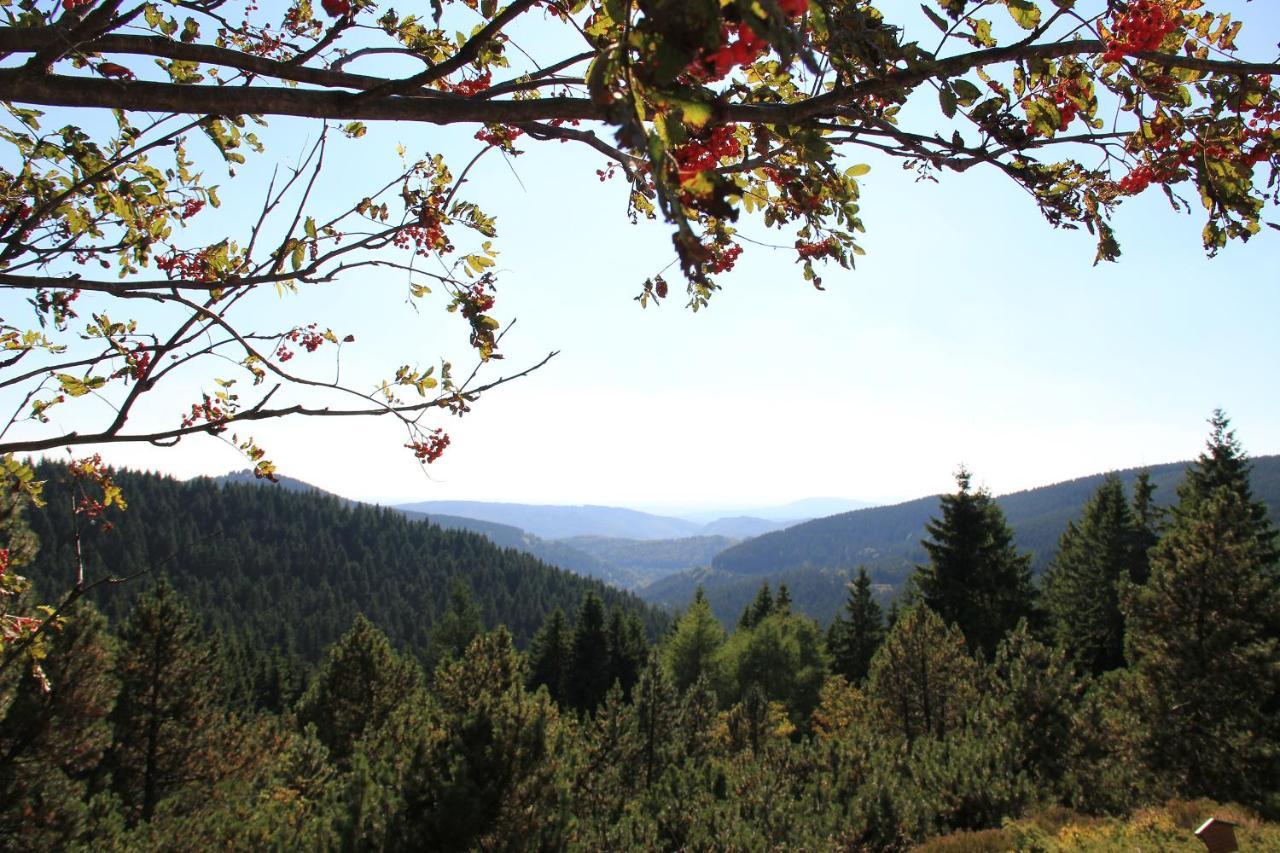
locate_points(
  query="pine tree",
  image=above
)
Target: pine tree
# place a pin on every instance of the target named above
(1095, 559)
(356, 690)
(550, 655)
(782, 656)
(922, 681)
(691, 652)
(976, 578)
(486, 773)
(171, 726)
(853, 638)
(52, 740)
(1204, 634)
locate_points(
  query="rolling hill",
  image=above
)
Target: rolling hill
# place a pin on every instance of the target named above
(290, 568)
(816, 558)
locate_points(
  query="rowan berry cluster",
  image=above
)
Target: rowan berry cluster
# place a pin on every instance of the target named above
(136, 363)
(76, 4)
(210, 410)
(477, 300)
(499, 136)
(13, 627)
(186, 265)
(1063, 96)
(827, 248)
(703, 155)
(191, 207)
(431, 448)
(467, 88)
(723, 257)
(422, 238)
(1141, 28)
(57, 302)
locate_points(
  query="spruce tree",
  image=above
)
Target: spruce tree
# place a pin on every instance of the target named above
(550, 655)
(1095, 559)
(758, 609)
(1204, 634)
(628, 649)
(589, 677)
(457, 626)
(975, 578)
(854, 637)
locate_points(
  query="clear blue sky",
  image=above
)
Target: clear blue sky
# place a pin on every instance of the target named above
(970, 333)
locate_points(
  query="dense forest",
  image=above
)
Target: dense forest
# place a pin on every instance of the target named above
(1125, 695)
(287, 570)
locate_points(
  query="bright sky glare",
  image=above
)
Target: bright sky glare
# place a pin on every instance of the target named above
(970, 333)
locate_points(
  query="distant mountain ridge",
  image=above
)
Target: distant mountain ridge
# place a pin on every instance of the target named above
(552, 521)
(816, 558)
(639, 561)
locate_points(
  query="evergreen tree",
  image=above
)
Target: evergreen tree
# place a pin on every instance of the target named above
(1030, 695)
(589, 676)
(457, 626)
(627, 649)
(356, 690)
(1148, 518)
(691, 652)
(550, 655)
(975, 578)
(52, 740)
(922, 681)
(853, 638)
(486, 773)
(171, 727)
(1204, 634)
(783, 604)
(1095, 559)
(782, 656)
(758, 609)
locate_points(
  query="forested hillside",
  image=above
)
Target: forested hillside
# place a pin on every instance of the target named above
(817, 559)
(987, 713)
(291, 569)
(887, 539)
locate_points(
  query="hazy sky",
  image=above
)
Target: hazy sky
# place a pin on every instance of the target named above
(970, 333)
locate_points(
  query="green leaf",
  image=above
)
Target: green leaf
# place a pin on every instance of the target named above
(857, 170)
(938, 21)
(947, 100)
(1025, 13)
(76, 387)
(967, 94)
